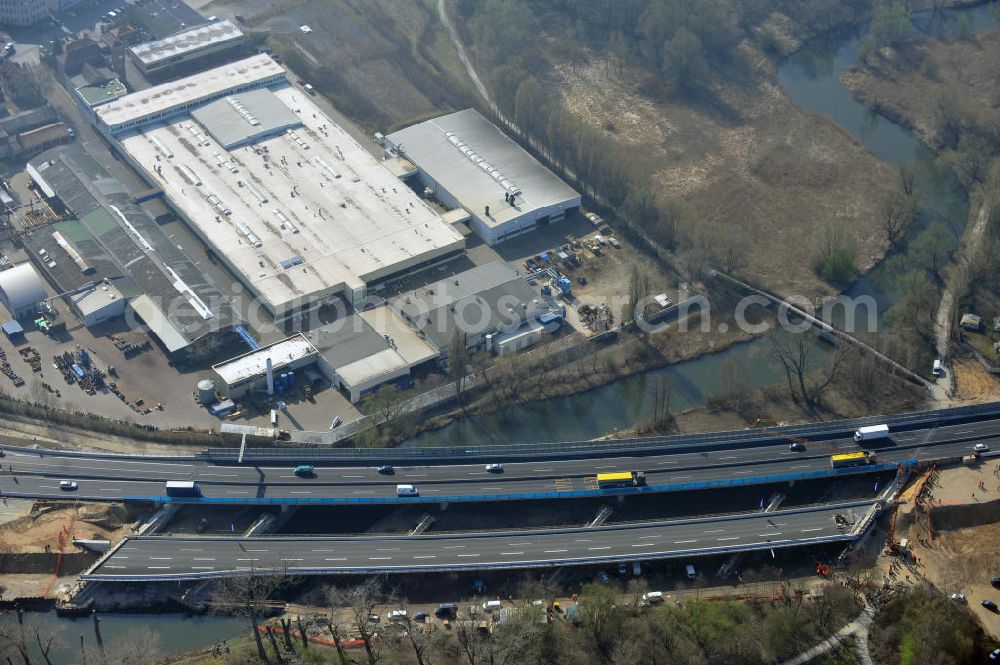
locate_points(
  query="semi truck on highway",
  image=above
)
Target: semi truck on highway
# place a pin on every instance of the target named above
(183, 488)
(859, 458)
(871, 433)
(621, 479)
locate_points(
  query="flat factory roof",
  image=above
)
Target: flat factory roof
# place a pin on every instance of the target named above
(477, 164)
(188, 41)
(164, 99)
(301, 214)
(96, 298)
(254, 363)
(244, 117)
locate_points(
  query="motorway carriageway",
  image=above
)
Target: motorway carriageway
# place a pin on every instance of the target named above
(183, 558)
(37, 474)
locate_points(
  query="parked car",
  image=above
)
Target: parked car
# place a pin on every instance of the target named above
(958, 597)
(995, 582)
(397, 615)
(304, 471)
(420, 616)
(68, 485)
(494, 467)
(981, 448)
(622, 569)
(603, 576)
(386, 470)
(446, 611)
(990, 605)
(995, 654)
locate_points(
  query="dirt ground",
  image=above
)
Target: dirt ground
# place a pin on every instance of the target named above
(42, 526)
(760, 167)
(973, 383)
(961, 552)
(963, 68)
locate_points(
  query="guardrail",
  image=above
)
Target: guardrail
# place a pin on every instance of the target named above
(577, 449)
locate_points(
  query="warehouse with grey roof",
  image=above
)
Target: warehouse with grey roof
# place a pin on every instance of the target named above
(469, 163)
(108, 249)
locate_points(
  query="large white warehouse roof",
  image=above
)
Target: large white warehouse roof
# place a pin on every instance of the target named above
(163, 100)
(21, 288)
(189, 41)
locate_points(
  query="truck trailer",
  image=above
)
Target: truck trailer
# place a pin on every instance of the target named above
(859, 458)
(871, 433)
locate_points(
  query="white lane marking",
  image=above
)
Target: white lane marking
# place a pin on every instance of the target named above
(221, 475)
(414, 475)
(160, 558)
(680, 477)
(798, 466)
(48, 487)
(300, 492)
(816, 528)
(387, 549)
(121, 557)
(336, 558)
(730, 538)
(478, 473)
(426, 556)
(553, 551)
(108, 565)
(284, 559)
(730, 457)
(491, 487)
(518, 544)
(364, 492)
(157, 567)
(202, 567)
(540, 470)
(773, 533)
(429, 491)
(678, 542)
(714, 531)
(607, 466)
(649, 537)
(667, 462)
(324, 551)
(256, 550)
(380, 558)
(203, 559)
(467, 555)
(453, 547)
(237, 492)
(191, 549)
(599, 548)
(643, 544)
(583, 540)
(107, 489)
(248, 559)
(511, 553)
(786, 453)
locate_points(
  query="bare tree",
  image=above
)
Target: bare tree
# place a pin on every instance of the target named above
(458, 361)
(907, 177)
(248, 596)
(807, 369)
(896, 215)
(361, 601)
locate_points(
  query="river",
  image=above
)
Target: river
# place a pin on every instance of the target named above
(811, 77)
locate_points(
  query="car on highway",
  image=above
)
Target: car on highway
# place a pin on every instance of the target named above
(797, 447)
(68, 485)
(386, 470)
(304, 471)
(981, 448)
(406, 490)
(494, 468)
(990, 605)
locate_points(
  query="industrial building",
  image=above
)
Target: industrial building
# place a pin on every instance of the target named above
(186, 47)
(289, 201)
(370, 349)
(486, 301)
(106, 239)
(258, 371)
(98, 303)
(469, 163)
(21, 290)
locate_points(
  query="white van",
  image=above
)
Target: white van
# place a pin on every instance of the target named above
(691, 572)
(492, 605)
(653, 596)
(938, 368)
(406, 490)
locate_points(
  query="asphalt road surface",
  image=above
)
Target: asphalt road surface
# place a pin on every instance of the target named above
(167, 558)
(37, 475)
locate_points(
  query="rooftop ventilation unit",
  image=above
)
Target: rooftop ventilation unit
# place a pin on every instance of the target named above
(479, 161)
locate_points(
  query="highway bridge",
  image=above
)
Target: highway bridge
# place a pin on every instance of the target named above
(193, 558)
(728, 463)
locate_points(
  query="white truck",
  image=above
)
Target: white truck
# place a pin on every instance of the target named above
(871, 433)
